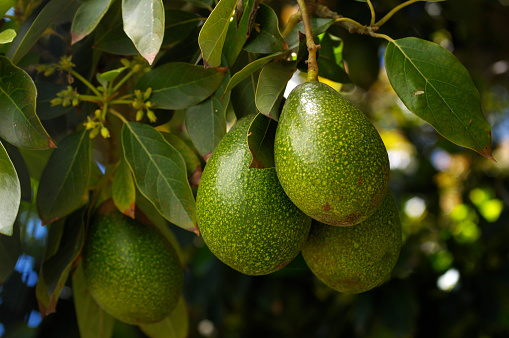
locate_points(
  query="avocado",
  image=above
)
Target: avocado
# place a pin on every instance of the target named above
(131, 270)
(357, 258)
(244, 216)
(329, 158)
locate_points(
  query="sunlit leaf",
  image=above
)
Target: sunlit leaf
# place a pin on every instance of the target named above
(144, 25)
(178, 85)
(93, 321)
(435, 86)
(160, 173)
(10, 193)
(271, 84)
(176, 325)
(19, 123)
(65, 178)
(330, 60)
(268, 39)
(10, 250)
(238, 32)
(261, 134)
(24, 42)
(87, 17)
(7, 36)
(213, 32)
(123, 190)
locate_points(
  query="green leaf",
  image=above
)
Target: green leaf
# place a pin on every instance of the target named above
(87, 18)
(93, 321)
(179, 85)
(435, 86)
(271, 85)
(261, 134)
(178, 25)
(213, 33)
(110, 36)
(144, 25)
(318, 26)
(330, 60)
(47, 91)
(176, 325)
(160, 173)
(193, 164)
(238, 32)
(10, 250)
(5, 5)
(19, 124)
(34, 30)
(22, 170)
(10, 193)
(64, 180)
(248, 70)
(243, 94)
(7, 36)
(111, 75)
(123, 189)
(268, 39)
(206, 122)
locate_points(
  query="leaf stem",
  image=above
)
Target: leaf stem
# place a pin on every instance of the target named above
(90, 98)
(372, 10)
(394, 11)
(292, 22)
(310, 42)
(381, 36)
(122, 81)
(118, 115)
(85, 82)
(118, 101)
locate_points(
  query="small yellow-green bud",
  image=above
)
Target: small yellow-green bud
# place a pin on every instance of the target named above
(151, 116)
(105, 133)
(75, 102)
(94, 132)
(56, 101)
(139, 115)
(147, 93)
(49, 71)
(97, 113)
(125, 62)
(138, 94)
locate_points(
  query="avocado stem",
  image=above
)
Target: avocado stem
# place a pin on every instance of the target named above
(310, 43)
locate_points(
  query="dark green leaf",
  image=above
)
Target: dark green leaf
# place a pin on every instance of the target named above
(21, 170)
(160, 173)
(87, 17)
(271, 84)
(10, 250)
(243, 94)
(268, 38)
(19, 124)
(178, 25)
(435, 86)
(5, 5)
(47, 91)
(261, 134)
(64, 180)
(176, 325)
(93, 321)
(213, 32)
(193, 163)
(110, 36)
(238, 32)
(34, 30)
(179, 85)
(318, 26)
(206, 122)
(330, 60)
(10, 193)
(123, 189)
(144, 25)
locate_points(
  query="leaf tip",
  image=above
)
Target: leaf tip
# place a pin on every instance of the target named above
(51, 144)
(130, 211)
(221, 70)
(150, 57)
(76, 37)
(196, 230)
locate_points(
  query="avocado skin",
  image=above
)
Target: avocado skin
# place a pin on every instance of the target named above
(244, 216)
(329, 158)
(358, 258)
(131, 270)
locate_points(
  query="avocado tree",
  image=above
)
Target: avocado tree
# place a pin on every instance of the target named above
(125, 101)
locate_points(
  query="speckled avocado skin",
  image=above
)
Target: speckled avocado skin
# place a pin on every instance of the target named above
(358, 258)
(329, 158)
(131, 270)
(244, 216)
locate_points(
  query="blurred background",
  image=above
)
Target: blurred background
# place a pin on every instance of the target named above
(452, 277)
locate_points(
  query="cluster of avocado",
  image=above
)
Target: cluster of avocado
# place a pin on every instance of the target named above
(326, 196)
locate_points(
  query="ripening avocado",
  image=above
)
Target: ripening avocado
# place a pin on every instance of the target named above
(131, 270)
(244, 216)
(329, 158)
(357, 258)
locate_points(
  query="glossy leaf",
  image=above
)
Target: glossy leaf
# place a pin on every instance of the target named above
(206, 122)
(330, 60)
(261, 134)
(64, 180)
(213, 33)
(176, 325)
(124, 190)
(239, 31)
(271, 84)
(318, 26)
(160, 173)
(267, 37)
(7, 36)
(179, 85)
(87, 18)
(10, 250)
(10, 193)
(193, 164)
(144, 25)
(24, 42)
(93, 321)
(19, 124)
(21, 169)
(435, 86)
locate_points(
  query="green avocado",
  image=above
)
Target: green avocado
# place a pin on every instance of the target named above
(329, 158)
(131, 270)
(357, 258)
(244, 216)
